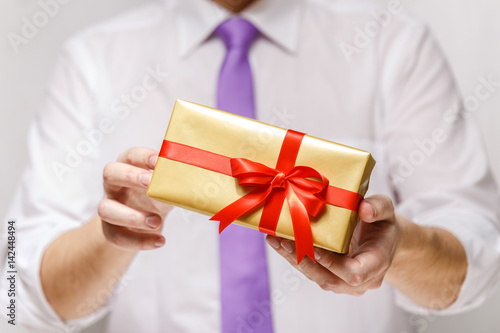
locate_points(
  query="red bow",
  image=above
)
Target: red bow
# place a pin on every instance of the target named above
(304, 196)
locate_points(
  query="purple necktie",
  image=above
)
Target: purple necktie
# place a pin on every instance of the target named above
(245, 302)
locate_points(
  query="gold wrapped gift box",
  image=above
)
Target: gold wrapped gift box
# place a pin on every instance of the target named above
(207, 192)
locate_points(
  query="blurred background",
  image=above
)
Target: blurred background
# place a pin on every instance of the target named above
(468, 31)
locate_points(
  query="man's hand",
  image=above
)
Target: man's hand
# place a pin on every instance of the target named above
(370, 256)
(130, 219)
(427, 264)
(79, 269)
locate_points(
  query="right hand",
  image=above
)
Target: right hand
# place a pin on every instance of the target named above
(130, 219)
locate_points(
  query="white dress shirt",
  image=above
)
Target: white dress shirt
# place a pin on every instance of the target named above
(389, 91)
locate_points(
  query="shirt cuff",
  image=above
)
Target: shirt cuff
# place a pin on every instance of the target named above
(35, 310)
(480, 238)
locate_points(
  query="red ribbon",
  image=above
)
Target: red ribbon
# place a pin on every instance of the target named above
(272, 186)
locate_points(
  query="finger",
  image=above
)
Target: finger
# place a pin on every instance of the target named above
(319, 274)
(357, 271)
(315, 272)
(116, 174)
(378, 207)
(116, 213)
(140, 157)
(340, 273)
(125, 238)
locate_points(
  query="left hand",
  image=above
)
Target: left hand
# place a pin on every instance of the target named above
(370, 255)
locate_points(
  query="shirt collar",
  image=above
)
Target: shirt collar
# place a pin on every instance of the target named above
(278, 20)
(196, 20)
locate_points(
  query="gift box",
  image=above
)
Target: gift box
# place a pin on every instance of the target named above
(278, 181)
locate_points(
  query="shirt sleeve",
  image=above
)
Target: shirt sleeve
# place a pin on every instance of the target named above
(53, 195)
(438, 166)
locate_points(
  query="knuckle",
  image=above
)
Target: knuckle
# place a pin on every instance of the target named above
(358, 292)
(129, 155)
(327, 285)
(328, 263)
(136, 219)
(302, 264)
(390, 204)
(385, 203)
(306, 263)
(357, 279)
(130, 178)
(102, 209)
(107, 171)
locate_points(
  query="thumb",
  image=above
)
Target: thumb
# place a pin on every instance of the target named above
(378, 207)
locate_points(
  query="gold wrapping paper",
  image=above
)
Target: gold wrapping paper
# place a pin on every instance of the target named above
(208, 192)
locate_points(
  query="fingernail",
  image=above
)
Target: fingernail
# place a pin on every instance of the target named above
(160, 242)
(153, 222)
(274, 242)
(372, 210)
(152, 160)
(317, 254)
(287, 246)
(145, 179)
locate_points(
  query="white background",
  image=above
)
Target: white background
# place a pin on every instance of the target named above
(468, 30)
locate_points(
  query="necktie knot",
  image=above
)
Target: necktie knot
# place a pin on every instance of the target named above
(235, 87)
(237, 33)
